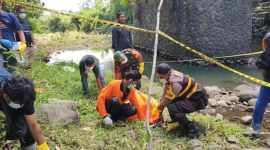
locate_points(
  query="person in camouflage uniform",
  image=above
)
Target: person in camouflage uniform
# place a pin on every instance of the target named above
(126, 60)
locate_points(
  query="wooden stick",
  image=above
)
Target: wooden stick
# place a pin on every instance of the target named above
(150, 143)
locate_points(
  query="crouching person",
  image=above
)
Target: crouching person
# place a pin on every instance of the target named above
(17, 103)
(112, 100)
(181, 95)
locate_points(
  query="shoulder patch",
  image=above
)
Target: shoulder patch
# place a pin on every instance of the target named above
(176, 73)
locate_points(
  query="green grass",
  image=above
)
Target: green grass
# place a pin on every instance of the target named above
(66, 85)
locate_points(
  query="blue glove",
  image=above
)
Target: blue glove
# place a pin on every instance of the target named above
(6, 43)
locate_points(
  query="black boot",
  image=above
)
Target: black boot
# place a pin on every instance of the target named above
(192, 131)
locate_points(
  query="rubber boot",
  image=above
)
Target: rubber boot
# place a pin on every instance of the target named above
(192, 131)
(172, 125)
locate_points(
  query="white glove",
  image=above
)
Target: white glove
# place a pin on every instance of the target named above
(108, 120)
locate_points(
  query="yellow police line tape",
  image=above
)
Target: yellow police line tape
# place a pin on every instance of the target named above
(214, 61)
(231, 56)
(109, 23)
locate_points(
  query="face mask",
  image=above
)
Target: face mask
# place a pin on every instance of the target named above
(130, 86)
(89, 68)
(163, 81)
(15, 106)
(124, 61)
(22, 16)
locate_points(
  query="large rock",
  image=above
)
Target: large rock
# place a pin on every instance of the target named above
(250, 109)
(212, 102)
(252, 102)
(246, 120)
(233, 139)
(217, 97)
(267, 142)
(222, 103)
(241, 107)
(233, 99)
(247, 95)
(219, 117)
(243, 87)
(71, 105)
(196, 143)
(228, 103)
(55, 114)
(224, 97)
(207, 111)
(210, 89)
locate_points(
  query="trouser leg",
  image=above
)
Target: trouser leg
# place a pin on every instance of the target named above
(178, 110)
(113, 108)
(262, 102)
(127, 110)
(102, 81)
(84, 83)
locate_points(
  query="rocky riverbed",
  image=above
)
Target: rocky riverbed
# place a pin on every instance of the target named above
(236, 105)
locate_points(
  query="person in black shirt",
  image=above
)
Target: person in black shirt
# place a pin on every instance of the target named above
(29, 36)
(17, 98)
(121, 38)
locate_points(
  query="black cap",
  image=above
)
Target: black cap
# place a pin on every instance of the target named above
(163, 68)
(89, 61)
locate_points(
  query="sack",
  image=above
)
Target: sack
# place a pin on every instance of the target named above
(17, 128)
(263, 61)
(142, 101)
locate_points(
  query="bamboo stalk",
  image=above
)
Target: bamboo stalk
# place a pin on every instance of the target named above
(150, 143)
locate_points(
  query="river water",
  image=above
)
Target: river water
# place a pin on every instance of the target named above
(207, 76)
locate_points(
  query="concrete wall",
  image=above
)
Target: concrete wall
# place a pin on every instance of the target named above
(213, 27)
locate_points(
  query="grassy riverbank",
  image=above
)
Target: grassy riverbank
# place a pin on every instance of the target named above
(61, 84)
(66, 85)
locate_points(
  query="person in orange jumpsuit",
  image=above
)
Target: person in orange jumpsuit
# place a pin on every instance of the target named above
(112, 100)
